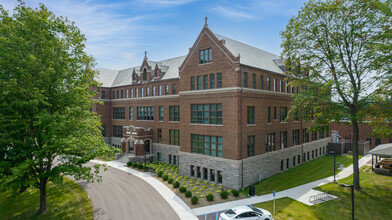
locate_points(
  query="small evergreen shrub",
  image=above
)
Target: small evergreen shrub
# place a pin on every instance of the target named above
(140, 166)
(235, 193)
(218, 191)
(160, 173)
(224, 194)
(194, 200)
(176, 184)
(188, 194)
(165, 177)
(129, 163)
(202, 196)
(210, 197)
(182, 189)
(134, 165)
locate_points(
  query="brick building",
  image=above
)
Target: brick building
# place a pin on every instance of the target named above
(219, 113)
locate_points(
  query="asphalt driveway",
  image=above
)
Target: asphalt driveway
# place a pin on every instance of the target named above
(121, 195)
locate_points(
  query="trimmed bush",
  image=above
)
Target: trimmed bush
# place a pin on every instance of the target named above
(202, 196)
(194, 200)
(164, 177)
(235, 193)
(218, 191)
(140, 166)
(134, 165)
(170, 180)
(160, 173)
(182, 189)
(188, 194)
(210, 197)
(129, 163)
(224, 194)
(176, 184)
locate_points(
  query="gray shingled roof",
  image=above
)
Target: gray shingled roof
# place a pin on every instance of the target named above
(251, 56)
(383, 150)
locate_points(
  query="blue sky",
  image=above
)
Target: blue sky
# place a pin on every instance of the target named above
(119, 31)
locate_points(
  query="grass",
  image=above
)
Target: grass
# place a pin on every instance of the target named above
(308, 172)
(372, 202)
(66, 201)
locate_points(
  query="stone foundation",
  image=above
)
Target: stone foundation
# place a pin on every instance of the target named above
(165, 150)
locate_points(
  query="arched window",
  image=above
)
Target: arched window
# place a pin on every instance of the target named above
(144, 74)
(156, 72)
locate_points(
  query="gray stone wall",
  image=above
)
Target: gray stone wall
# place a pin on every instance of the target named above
(266, 165)
(165, 150)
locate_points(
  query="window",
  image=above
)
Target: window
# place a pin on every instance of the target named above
(281, 165)
(206, 113)
(174, 137)
(174, 89)
(159, 90)
(275, 84)
(119, 113)
(130, 113)
(153, 91)
(287, 162)
(261, 82)
(104, 130)
(212, 175)
(281, 85)
(205, 81)
(293, 161)
(314, 135)
(283, 114)
(136, 92)
(193, 169)
(251, 115)
(117, 94)
(166, 89)
(305, 135)
(270, 142)
(269, 115)
(147, 91)
(321, 133)
(131, 92)
(159, 157)
(142, 92)
(254, 81)
(127, 94)
(269, 83)
(117, 131)
(245, 80)
(212, 81)
(192, 83)
(170, 159)
(174, 113)
(145, 113)
(113, 95)
(160, 113)
(159, 135)
(122, 93)
(251, 146)
(295, 137)
(198, 83)
(205, 56)
(275, 113)
(207, 145)
(220, 176)
(198, 172)
(219, 80)
(283, 139)
(174, 160)
(103, 95)
(308, 156)
(299, 159)
(296, 115)
(144, 74)
(205, 173)
(370, 141)
(377, 141)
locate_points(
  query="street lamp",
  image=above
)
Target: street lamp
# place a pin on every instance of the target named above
(334, 165)
(352, 198)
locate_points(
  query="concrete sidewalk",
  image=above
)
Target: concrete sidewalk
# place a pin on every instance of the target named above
(300, 193)
(182, 210)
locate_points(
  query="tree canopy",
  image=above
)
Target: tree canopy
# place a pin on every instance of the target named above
(46, 91)
(339, 53)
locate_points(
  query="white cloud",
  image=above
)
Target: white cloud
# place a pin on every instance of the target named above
(233, 13)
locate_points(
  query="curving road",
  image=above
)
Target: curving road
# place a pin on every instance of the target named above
(121, 195)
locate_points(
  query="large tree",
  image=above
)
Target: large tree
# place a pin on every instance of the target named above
(339, 52)
(46, 91)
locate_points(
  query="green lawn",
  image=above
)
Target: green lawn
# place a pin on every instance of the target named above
(308, 172)
(372, 202)
(66, 201)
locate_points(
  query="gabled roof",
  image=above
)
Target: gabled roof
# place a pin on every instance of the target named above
(251, 56)
(383, 150)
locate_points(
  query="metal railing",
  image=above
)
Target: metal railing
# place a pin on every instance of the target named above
(321, 197)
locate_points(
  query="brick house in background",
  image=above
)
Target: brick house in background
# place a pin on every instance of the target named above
(219, 113)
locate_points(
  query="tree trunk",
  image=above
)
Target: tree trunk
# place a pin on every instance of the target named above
(42, 200)
(354, 148)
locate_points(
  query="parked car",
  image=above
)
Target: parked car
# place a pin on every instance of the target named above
(246, 213)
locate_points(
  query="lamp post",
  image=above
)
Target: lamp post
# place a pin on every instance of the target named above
(352, 198)
(334, 165)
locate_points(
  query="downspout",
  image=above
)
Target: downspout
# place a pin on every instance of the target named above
(242, 161)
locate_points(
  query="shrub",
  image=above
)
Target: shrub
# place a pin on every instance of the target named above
(194, 200)
(218, 191)
(212, 189)
(140, 166)
(224, 194)
(205, 182)
(182, 189)
(212, 184)
(170, 180)
(202, 189)
(229, 190)
(164, 177)
(134, 165)
(176, 184)
(220, 187)
(129, 163)
(160, 173)
(197, 193)
(235, 193)
(191, 184)
(202, 196)
(210, 197)
(188, 194)
(191, 181)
